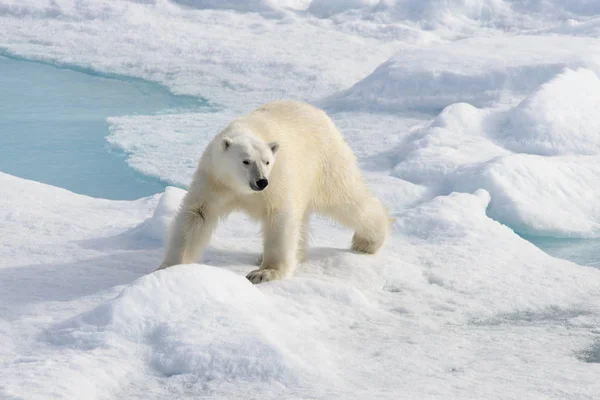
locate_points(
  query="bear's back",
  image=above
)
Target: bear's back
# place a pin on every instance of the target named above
(313, 157)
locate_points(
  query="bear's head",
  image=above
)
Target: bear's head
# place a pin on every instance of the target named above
(245, 162)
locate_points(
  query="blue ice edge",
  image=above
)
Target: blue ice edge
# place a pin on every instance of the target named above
(53, 125)
(581, 251)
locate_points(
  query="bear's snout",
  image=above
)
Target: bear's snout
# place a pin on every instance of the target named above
(261, 184)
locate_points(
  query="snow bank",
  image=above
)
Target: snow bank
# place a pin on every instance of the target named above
(456, 16)
(540, 196)
(479, 71)
(466, 148)
(590, 28)
(561, 117)
(242, 6)
(260, 6)
(157, 226)
(562, 9)
(327, 8)
(41, 208)
(63, 9)
(192, 319)
(453, 140)
(429, 14)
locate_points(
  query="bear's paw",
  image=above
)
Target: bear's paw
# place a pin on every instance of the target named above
(264, 275)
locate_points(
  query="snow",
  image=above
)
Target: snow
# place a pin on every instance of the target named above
(473, 121)
(482, 71)
(562, 203)
(434, 307)
(558, 118)
(325, 8)
(506, 152)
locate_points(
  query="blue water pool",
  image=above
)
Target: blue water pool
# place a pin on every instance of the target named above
(53, 127)
(580, 251)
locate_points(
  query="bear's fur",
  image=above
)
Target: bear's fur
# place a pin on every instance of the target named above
(297, 150)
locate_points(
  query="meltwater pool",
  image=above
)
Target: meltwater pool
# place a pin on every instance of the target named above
(53, 127)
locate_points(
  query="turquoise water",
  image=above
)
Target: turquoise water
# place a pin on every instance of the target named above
(580, 251)
(53, 127)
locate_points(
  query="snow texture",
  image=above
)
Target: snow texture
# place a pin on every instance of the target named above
(480, 71)
(473, 121)
(559, 118)
(507, 152)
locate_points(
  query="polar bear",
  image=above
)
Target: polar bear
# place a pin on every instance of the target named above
(279, 164)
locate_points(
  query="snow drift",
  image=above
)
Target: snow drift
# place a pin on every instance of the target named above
(479, 71)
(514, 154)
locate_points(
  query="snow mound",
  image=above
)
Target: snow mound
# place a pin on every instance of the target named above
(561, 117)
(448, 225)
(591, 28)
(180, 316)
(456, 15)
(271, 8)
(242, 6)
(157, 226)
(466, 148)
(453, 140)
(208, 327)
(558, 8)
(63, 9)
(479, 71)
(538, 195)
(428, 14)
(445, 216)
(328, 8)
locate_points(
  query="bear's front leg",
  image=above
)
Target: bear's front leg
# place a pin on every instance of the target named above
(195, 222)
(281, 236)
(190, 233)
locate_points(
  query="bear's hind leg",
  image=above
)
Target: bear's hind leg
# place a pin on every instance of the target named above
(369, 219)
(280, 247)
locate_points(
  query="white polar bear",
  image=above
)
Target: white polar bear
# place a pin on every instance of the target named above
(279, 164)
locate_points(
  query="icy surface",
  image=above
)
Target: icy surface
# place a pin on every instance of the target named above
(474, 122)
(581, 251)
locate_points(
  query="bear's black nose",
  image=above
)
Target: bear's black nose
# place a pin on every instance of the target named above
(262, 183)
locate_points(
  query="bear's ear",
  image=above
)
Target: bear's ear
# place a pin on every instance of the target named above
(274, 147)
(225, 143)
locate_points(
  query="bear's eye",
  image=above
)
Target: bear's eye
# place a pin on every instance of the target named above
(246, 162)
(268, 162)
